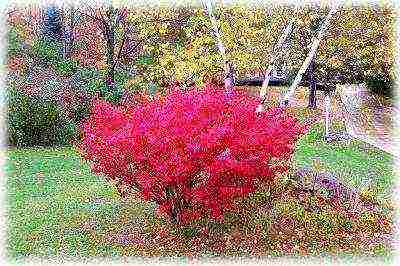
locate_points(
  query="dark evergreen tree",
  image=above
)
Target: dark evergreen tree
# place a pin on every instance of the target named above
(53, 23)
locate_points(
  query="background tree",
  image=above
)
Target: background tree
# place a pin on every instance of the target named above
(250, 34)
(69, 26)
(111, 21)
(358, 45)
(135, 47)
(52, 24)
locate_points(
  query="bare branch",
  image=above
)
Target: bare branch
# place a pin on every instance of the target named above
(93, 15)
(101, 21)
(121, 15)
(133, 48)
(121, 47)
(11, 12)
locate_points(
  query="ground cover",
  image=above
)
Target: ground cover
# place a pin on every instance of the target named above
(57, 207)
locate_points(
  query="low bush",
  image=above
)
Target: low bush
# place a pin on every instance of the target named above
(380, 84)
(191, 152)
(47, 51)
(66, 66)
(33, 121)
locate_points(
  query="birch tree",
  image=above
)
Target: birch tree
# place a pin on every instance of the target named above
(229, 79)
(309, 58)
(274, 56)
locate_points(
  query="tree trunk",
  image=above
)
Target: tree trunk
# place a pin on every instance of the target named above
(229, 76)
(70, 33)
(312, 101)
(110, 36)
(311, 55)
(63, 31)
(110, 63)
(274, 56)
(327, 114)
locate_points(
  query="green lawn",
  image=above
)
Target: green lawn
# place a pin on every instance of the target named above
(358, 164)
(47, 218)
(55, 203)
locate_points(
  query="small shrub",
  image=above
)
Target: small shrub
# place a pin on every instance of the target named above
(14, 42)
(87, 79)
(81, 111)
(47, 51)
(191, 152)
(380, 84)
(113, 96)
(121, 76)
(66, 66)
(66, 133)
(33, 121)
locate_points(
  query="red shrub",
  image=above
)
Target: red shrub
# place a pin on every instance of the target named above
(191, 152)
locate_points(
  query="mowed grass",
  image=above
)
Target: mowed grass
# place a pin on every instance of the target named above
(358, 164)
(54, 202)
(56, 206)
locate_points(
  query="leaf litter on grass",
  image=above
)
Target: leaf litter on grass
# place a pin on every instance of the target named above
(84, 213)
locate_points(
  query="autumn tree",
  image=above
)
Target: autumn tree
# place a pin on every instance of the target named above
(111, 21)
(358, 43)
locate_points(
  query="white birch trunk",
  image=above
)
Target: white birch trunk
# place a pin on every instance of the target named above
(208, 4)
(274, 56)
(309, 58)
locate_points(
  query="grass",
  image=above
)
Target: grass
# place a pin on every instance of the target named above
(358, 164)
(51, 194)
(57, 207)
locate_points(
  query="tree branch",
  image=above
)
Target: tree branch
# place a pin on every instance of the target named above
(121, 47)
(103, 25)
(135, 46)
(121, 15)
(310, 56)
